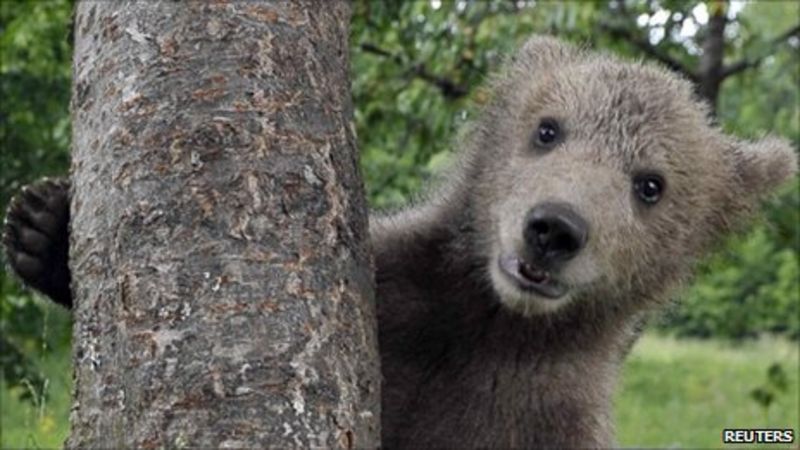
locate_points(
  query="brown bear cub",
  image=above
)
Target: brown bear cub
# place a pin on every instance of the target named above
(507, 298)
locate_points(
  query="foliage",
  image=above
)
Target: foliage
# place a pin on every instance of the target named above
(35, 87)
(403, 121)
(751, 285)
(34, 136)
(775, 385)
(767, 98)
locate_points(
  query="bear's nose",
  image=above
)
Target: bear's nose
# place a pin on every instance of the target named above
(554, 233)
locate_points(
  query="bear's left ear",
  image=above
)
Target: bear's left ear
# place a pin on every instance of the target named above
(764, 165)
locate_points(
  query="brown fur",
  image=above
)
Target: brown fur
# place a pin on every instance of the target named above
(468, 361)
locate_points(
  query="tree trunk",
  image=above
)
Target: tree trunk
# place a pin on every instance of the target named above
(221, 272)
(710, 70)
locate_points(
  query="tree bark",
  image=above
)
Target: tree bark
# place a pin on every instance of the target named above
(221, 273)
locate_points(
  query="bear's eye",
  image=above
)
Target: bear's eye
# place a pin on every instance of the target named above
(648, 188)
(547, 134)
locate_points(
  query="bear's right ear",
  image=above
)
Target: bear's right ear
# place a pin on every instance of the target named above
(543, 53)
(764, 165)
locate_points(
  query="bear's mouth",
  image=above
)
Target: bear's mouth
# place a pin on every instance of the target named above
(529, 277)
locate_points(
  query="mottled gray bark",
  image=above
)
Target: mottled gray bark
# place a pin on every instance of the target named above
(222, 280)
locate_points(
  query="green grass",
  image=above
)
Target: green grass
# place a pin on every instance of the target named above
(673, 393)
(44, 425)
(683, 393)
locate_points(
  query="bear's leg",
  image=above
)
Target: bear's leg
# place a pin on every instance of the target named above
(36, 238)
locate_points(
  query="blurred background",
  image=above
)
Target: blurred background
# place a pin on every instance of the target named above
(725, 355)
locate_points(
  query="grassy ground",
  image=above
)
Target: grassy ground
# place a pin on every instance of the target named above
(673, 393)
(683, 393)
(45, 425)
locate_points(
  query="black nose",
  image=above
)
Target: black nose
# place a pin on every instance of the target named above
(554, 233)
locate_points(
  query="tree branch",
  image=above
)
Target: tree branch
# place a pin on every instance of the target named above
(374, 49)
(449, 88)
(745, 63)
(649, 49)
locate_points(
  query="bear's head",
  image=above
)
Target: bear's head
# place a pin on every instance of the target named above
(604, 179)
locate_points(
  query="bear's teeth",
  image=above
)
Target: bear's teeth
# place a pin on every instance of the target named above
(533, 274)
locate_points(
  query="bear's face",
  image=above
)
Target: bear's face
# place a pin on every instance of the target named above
(608, 182)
